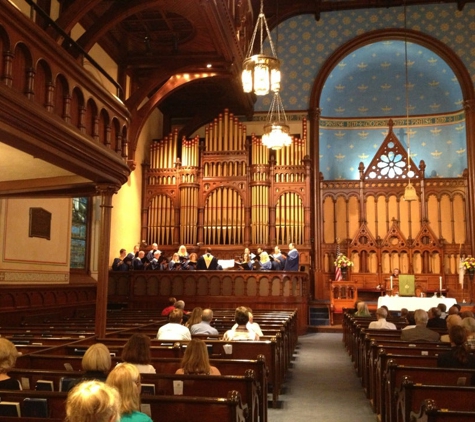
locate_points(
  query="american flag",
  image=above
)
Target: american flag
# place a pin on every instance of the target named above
(338, 276)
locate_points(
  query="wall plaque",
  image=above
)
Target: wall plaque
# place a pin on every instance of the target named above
(40, 223)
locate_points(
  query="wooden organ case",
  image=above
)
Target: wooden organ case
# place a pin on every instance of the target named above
(227, 191)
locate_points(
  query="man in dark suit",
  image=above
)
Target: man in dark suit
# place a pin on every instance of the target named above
(207, 261)
(419, 332)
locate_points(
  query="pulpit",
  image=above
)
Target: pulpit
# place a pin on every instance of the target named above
(343, 295)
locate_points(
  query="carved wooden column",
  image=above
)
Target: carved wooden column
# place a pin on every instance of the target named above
(469, 106)
(247, 203)
(307, 214)
(316, 238)
(105, 191)
(272, 201)
(201, 196)
(144, 228)
(7, 75)
(49, 103)
(67, 108)
(30, 82)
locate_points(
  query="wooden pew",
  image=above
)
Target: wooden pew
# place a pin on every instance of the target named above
(394, 348)
(411, 395)
(27, 367)
(430, 412)
(213, 386)
(382, 364)
(183, 408)
(194, 385)
(198, 409)
(271, 349)
(396, 374)
(56, 400)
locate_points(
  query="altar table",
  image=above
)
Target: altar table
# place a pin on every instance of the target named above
(396, 303)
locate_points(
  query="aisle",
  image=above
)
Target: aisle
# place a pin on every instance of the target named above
(322, 385)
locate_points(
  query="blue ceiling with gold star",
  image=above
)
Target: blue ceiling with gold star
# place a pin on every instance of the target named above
(369, 85)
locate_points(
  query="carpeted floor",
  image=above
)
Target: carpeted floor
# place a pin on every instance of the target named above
(322, 385)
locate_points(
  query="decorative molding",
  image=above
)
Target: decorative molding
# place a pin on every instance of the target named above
(33, 277)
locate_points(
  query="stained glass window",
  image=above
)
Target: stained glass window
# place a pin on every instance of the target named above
(79, 231)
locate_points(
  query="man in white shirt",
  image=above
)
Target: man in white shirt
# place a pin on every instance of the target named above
(174, 330)
(381, 323)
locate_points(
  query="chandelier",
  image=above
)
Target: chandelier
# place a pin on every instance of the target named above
(409, 191)
(261, 73)
(276, 131)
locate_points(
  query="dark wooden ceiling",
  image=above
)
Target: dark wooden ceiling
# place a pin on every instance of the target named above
(154, 39)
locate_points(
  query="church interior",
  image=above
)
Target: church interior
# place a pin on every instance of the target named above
(126, 123)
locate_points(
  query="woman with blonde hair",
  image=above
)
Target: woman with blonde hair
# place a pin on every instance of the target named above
(137, 352)
(196, 360)
(93, 401)
(265, 261)
(96, 363)
(8, 356)
(195, 317)
(125, 377)
(362, 310)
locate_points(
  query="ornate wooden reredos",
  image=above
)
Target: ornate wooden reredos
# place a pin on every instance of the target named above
(227, 191)
(381, 231)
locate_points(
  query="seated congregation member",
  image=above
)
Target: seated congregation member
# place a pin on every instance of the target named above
(241, 332)
(93, 401)
(443, 310)
(453, 319)
(195, 317)
(381, 323)
(180, 304)
(204, 327)
(196, 360)
(293, 258)
(459, 356)
(126, 379)
(362, 310)
(419, 332)
(8, 357)
(251, 325)
(170, 307)
(96, 364)
(137, 352)
(469, 325)
(435, 321)
(278, 264)
(266, 263)
(191, 263)
(174, 330)
(120, 263)
(138, 264)
(207, 261)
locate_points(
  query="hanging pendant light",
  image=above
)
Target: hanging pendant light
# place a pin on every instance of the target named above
(276, 131)
(261, 73)
(410, 193)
